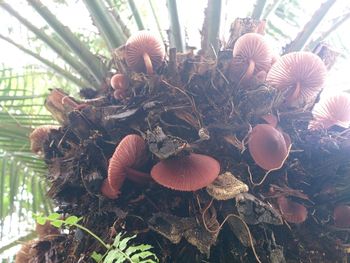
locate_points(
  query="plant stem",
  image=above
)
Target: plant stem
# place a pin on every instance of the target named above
(118, 19)
(175, 32)
(325, 34)
(156, 19)
(136, 15)
(211, 28)
(303, 36)
(90, 233)
(94, 65)
(258, 9)
(111, 31)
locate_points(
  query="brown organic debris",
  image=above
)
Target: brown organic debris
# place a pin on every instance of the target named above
(187, 119)
(226, 186)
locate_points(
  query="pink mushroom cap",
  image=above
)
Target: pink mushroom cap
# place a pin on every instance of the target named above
(330, 111)
(144, 52)
(252, 51)
(300, 74)
(341, 215)
(291, 211)
(268, 146)
(119, 84)
(39, 135)
(129, 154)
(187, 173)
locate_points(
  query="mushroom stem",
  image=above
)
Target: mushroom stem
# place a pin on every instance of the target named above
(295, 93)
(148, 63)
(250, 70)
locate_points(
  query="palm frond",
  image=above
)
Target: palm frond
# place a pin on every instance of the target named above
(59, 47)
(155, 16)
(109, 29)
(95, 66)
(258, 9)
(176, 38)
(299, 42)
(21, 189)
(59, 70)
(211, 27)
(136, 15)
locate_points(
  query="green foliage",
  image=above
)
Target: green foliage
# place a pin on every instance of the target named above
(22, 189)
(119, 252)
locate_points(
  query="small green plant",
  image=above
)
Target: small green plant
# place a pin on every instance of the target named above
(119, 252)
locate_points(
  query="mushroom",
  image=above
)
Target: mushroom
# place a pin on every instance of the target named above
(144, 52)
(119, 84)
(252, 53)
(186, 173)
(108, 191)
(291, 211)
(39, 135)
(268, 146)
(27, 252)
(341, 216)
(129, 155)
(330, 111)
(300, 74)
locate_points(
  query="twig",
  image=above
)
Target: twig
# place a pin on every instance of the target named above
(224, 221)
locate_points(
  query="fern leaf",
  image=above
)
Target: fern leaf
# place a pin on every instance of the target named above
(114, 255)
(124, 242)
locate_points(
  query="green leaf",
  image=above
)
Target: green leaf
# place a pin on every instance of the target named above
(41, 220)
(96, 256)
(71, 220)
(121, 260)
(117, 240)
(113, 255)
(56, 223)
(53, 216)
(124, 242)
(132, 249)
(140, 256)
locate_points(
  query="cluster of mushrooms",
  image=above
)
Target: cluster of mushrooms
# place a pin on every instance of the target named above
(298, 76)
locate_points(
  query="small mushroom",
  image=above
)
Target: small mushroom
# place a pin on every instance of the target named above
(130, 154)
(39, 135)
(300, 74)
(291, 211)
(341, 216)
(268, 146)
(27, 252)
(330, 111)
(251, 53)
(119, 84)
(144, 52)
(186, 173)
